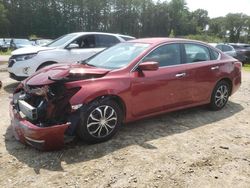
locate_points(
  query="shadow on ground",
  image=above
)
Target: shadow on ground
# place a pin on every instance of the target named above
(137, 133)
(10, 88)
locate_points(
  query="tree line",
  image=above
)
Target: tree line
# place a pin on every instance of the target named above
(139, 18)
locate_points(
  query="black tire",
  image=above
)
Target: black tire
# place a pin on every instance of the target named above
(88, 125)
(220, 95)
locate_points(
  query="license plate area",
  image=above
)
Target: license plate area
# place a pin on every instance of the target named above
(27, 110)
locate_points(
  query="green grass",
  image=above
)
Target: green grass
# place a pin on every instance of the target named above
(5, 53)
(246, 67)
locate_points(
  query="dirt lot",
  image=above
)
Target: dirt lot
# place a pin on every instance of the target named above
(189, 148)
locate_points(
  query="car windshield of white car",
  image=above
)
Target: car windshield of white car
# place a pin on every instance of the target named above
(118, 56)
(62, 40)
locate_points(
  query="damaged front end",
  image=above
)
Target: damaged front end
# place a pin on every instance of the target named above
(42, 115)
(40, 110)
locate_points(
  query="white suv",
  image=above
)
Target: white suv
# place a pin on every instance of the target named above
(67, 49)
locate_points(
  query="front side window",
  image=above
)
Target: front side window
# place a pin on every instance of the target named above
(196, 53)
(165, 55)
(103, 41)
(85, 41)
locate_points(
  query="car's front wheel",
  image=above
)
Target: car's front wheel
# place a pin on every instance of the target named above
(220, 95)
(100, 121)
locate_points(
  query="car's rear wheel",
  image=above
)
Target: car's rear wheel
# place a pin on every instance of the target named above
(99, 121)
(220, 95)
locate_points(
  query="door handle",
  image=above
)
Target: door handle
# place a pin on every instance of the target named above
(215, 68)
(180, 75)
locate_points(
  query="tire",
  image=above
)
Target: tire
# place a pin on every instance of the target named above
(94, 126)
(220, 95)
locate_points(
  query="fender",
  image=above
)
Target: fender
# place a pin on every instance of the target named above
(91, 90)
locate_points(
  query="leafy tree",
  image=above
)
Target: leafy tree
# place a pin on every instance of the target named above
(235, 24)
(139, 18)
(3, 20)
(201, 19)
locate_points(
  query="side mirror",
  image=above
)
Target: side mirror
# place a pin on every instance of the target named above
(149, 66)
(72, 46)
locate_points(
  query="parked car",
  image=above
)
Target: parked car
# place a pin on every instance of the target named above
(67, 49)
(129, 81)
(7, 42)
(243, 50)
(19, 43)
(3, 46)
(41, 42)
(229, 50)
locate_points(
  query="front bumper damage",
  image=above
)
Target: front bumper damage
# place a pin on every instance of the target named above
(42, 116)
(42, 138)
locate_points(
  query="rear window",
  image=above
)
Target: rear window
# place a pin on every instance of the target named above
(106, 41)
(127, 38)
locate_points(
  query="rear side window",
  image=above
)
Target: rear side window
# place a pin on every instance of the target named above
(196, 53)
(219, 47)
(165, 55)
(214, 54)
(103, 41)
(227, 48)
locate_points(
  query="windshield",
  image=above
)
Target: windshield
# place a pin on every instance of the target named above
(62, 40)
(117, 56)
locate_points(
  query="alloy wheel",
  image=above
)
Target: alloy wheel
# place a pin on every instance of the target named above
(102, 121)
(221, 96)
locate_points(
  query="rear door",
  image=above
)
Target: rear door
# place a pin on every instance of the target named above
(203, 70)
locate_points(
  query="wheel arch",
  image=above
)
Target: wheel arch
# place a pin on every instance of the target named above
(116, 99)
(46, 63)
(229, 81)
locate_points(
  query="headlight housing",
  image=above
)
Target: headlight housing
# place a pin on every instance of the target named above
(25, 57)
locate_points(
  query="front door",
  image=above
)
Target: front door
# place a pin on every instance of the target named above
(165, 88)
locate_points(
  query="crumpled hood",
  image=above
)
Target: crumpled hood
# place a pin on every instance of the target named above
(53, 73)
(31, 50)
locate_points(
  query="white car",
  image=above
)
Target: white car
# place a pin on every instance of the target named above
(67, 49)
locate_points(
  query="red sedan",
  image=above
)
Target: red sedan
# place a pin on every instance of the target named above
(127, 82)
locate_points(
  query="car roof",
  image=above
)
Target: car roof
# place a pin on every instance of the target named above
(239, 44)
(159, 40)
(225, 44)
(87, 33)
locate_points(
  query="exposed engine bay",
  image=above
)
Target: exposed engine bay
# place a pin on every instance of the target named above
(44, 106)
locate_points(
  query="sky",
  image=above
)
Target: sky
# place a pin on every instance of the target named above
(218, 8)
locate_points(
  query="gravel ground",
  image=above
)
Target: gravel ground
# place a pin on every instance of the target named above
(188, 148)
